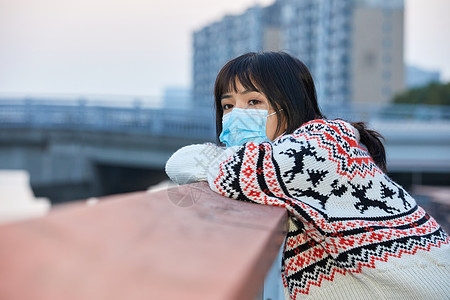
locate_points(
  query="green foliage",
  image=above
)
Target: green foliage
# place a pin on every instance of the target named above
(432, 94)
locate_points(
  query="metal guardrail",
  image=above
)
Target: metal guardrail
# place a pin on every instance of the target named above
(83, 115)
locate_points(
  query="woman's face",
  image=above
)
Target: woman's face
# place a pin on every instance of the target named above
(250, 99)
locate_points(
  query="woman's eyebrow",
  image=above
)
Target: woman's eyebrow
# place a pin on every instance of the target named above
(227, 96)
(249, 91)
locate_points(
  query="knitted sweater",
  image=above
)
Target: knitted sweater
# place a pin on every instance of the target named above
(353, 232)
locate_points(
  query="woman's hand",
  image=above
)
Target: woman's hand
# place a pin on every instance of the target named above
(190, 163)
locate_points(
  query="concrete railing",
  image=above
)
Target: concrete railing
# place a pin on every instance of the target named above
(185, 242)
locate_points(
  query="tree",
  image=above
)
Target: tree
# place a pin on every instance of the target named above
(432, 94)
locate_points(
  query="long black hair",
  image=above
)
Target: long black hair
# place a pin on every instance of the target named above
(289, 88)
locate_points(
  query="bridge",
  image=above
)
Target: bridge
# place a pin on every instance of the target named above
(79, 149)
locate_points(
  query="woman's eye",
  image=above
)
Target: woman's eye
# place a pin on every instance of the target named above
(254, 102)
(227, 106)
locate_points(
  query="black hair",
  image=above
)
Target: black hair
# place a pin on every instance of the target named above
(372, 140)
(289, 87)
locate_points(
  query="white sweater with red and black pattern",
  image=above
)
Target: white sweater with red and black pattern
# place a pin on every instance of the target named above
(353, 232)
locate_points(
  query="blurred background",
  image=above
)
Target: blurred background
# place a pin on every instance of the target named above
(95, 95)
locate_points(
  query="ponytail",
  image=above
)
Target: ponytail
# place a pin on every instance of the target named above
(372, 141)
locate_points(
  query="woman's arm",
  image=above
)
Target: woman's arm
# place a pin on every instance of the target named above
(190, 163)
(303, 168)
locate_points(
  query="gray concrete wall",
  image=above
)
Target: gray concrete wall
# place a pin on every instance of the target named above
(75, 164)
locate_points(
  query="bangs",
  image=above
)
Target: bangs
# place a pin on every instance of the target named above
(244, 79)
(232, 74)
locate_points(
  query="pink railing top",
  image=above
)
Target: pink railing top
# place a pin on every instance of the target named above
(182, 243)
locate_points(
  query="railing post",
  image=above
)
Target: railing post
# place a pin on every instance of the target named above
(29, 120)
(80, 113)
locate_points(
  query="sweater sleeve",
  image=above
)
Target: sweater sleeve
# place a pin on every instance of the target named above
(190, 163)
(277, 173)
(250, 174)
(297, 171)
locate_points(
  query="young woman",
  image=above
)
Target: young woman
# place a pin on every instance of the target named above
(353, 232)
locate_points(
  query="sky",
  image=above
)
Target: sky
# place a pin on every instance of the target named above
(140, 47)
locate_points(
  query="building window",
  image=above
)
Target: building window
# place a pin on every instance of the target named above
(369, 59)
(387, 27)
(386, 91)
(387, 43)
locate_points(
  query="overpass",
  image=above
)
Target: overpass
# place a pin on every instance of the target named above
(77, 149)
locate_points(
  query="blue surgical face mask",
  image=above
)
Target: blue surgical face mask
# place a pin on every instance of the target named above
(244, 125)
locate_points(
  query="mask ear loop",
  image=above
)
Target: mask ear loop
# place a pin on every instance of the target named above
(274, 113)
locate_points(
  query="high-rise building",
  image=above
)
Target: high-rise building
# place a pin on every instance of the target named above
(218, 42)
(353, 48)
(377, 64)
